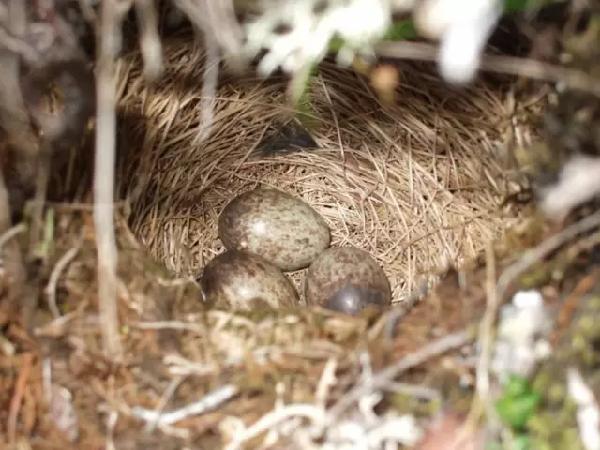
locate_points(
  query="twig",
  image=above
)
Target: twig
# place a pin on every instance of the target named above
(11, 233)
(411, 360)
(170, 325)
(275, 417)
(538, 253)
(483, 364)
(104, 175)
(414, 390)
(111, 422)
(149, 40)
(327, 380)
(510, 65)
(18, 46)
(210, 78)
(162, 402)
(60, 266)
(217, 19)
(485, 331)
(47, 379)
(15, 402)
(209, 402)
(41, 188)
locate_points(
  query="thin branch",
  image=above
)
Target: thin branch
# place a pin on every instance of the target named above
(209, 402)
(537, 254)
(104, 175)
(12, 255)
(162, 402)
(485, 332)
(17, 46)
(510, 65)
(210, 79)
(17, 398)
(216, 18)
(149, 39)
(482, 376)
(58, 269)
(12, 231)
(275, 417)
(380, 380)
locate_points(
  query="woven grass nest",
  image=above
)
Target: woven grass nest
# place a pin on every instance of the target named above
(417, 184)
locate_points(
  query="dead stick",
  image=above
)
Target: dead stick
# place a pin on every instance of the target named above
(509, 65)
(11, 253)
(104, 175)
(387, 375)
(17, 398)
(537, 254)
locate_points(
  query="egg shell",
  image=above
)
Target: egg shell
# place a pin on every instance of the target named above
(242, 281)
(348, 280)
(275, 225)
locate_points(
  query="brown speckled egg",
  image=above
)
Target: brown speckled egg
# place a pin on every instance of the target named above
(275, 225)
(240, 280)
(348, 280)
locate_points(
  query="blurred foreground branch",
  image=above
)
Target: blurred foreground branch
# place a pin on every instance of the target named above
(112, 12)
(510, 65)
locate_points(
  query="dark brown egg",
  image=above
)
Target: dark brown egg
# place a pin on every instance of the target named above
(240, 280)
(275, 225)
(348, 280)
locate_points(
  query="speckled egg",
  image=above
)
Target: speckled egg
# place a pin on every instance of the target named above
(348, 280)
(240, 280)
(275, 225)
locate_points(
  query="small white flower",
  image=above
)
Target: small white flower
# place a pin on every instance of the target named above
(578, 183)
(519, 345)
(308, 33)
(464, 28)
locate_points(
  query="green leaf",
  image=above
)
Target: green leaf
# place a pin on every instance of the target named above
(517, 386)
(511, 6)
(514, 6)
(335, 44)
(300, 94)
(400, 31)
(517, 411)
(518, 403)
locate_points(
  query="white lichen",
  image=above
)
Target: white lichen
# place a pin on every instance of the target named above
(521, 339)
(588, 412)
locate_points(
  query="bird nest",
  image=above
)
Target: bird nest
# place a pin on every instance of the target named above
(417, 183)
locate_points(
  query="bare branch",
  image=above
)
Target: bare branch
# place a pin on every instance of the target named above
(411, 360)
(149, 40)
(210, 78)
(104, 175)
(60, 266)
(210, 401)
(510, 65)
(530, 257)
(216, 18)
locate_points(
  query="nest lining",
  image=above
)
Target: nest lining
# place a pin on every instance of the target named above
(416, 184)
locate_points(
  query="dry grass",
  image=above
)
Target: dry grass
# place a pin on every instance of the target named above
(416, 184)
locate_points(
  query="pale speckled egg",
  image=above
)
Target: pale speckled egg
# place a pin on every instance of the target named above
(348, 280)
(275, 225)
(240, 280)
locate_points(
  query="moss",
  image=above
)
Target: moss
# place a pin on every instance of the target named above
(408, 404)
(554, 426)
